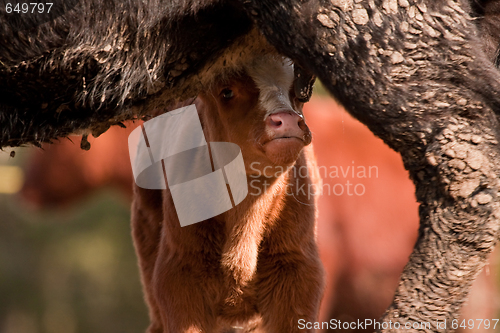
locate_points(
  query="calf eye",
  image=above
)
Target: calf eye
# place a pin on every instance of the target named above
(227, 93)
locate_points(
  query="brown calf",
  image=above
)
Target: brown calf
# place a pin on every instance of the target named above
(255, 266)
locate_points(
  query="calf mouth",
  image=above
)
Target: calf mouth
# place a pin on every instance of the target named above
(283, 150)
(287, 140)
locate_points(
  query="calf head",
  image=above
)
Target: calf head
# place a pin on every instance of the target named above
(256, 107)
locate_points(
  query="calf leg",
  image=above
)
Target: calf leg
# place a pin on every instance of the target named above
(147, 215)
(187, 291)
(290, 289)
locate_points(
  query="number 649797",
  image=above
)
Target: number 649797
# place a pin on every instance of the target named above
(32, 7)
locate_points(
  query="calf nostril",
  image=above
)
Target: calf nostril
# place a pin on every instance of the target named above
(275, 120)
(276, 123)
(286, 122)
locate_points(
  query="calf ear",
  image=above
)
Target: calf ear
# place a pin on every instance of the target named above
(303, 83)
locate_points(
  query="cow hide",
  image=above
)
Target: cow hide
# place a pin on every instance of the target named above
(103, 62)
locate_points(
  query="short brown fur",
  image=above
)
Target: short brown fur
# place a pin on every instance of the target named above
(255, 266)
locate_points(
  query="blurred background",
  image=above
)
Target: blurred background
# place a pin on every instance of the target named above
(67, 265)
(67, 262)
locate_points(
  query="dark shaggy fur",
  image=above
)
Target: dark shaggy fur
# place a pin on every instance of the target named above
(91, 67)
(87, 67)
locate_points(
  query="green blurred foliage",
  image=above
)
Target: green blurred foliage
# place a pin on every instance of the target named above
(319, 89)
(69, 272)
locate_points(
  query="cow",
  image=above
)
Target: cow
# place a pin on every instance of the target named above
(413, 71)
(255, 266)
